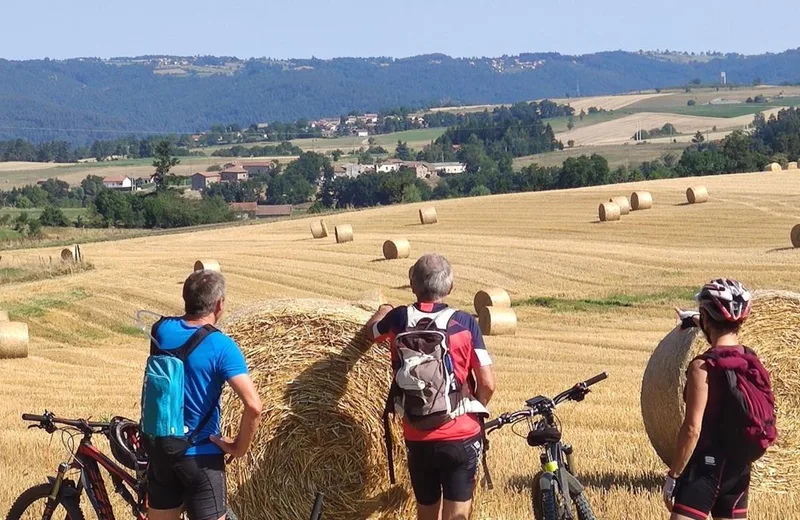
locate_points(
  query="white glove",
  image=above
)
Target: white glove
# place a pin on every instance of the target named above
(668, 490)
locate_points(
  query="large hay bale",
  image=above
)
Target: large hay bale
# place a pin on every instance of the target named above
(608, 212)
(497, 321)
(324, 226)
(641, 200)
(428, 216)
(67, 255)
(396, 248)
(491, 297)
(211, 265)
(623, 203)
(697, 194)
(792, 165)
(344, 233)
(324, 387)
(773, 167)
(13, 340)
(796, 235)
(773, 331)
(317, 231)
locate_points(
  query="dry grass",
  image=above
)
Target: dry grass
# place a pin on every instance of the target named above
(86, 359)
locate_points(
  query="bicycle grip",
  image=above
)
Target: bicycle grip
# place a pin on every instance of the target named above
(492, 424)
(32, 417)
(596, 379)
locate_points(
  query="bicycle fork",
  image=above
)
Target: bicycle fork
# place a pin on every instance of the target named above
(55, 490)
(555, 473)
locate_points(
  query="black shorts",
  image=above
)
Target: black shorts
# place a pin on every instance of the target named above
(713, 485)
(444, 468)
(196, 482)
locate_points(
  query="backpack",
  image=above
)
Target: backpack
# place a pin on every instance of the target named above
(747, 421)
(162, 424)
(425, 390)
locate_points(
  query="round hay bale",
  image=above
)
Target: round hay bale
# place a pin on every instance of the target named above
(609, 212)
(697, 194)
(13, 340)
(317, 231)
(773, 331)
(211, 265)
(323, 387)
(324, 226)
(796, 236)
(491, 297)
(344, 233)
(792, 165)
(497, 321)
(3, 316)
(67, 255)
(396, 248)
(428, 216)
(623, 203)
(641, 200)
(773, 167)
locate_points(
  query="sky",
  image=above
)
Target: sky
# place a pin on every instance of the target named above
(326, 29)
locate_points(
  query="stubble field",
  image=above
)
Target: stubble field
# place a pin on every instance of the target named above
(605, 293)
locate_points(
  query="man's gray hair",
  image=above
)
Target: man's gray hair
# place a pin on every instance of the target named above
(431, 277)
(201, 292)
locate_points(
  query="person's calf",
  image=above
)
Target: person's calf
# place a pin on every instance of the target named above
(431, 512)
(456, 510)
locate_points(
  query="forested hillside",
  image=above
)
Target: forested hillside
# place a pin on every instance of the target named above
(85, 99)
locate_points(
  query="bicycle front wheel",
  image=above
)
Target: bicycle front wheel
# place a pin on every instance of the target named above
(548, 504)
(582, 506)
(31, 504)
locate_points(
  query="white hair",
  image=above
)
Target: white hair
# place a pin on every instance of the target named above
(431, 277)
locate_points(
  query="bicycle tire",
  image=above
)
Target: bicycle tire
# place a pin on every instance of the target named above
(582, 506)
(42, 491)
(230, 515)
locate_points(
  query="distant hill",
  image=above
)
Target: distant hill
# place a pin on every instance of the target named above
(83, 99)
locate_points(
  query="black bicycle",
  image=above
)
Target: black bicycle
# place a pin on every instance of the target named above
(555, 491)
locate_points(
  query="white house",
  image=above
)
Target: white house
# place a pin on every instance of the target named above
(362, 133)
(118, 182)
(449, 168)
(392, 165)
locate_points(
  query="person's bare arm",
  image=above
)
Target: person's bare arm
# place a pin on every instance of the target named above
(383, 310)
(251, 416)
(484, 384)
(696, 399)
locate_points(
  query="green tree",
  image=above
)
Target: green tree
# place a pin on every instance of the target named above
(402, 151)
(691, 103)
(337, 154)
(479, 191)
(21, 222)
(53, 217)
(571, 143)
(570, 123)
(411, 193)
(163, 162)
(698, 137)
(34, 228)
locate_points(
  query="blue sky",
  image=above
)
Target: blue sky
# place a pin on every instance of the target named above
(304, 28)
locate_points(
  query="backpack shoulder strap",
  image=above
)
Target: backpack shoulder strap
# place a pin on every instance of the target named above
(154, 349)
(442, 319)
(184, 351)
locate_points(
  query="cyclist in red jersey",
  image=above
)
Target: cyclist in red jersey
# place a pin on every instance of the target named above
(443, 461)
(703, 479)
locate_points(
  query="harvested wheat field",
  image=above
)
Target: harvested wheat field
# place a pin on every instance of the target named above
(588, 297)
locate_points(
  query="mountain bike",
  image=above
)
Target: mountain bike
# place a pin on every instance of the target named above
(60, 497)
(555, 490)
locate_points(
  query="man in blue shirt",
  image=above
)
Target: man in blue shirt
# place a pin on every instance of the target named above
(196, 481)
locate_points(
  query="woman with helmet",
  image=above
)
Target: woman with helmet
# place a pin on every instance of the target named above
(704, 479)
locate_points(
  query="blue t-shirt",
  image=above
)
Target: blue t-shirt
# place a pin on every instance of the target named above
(216, 360)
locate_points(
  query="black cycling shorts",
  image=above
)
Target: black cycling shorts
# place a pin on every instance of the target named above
(713, 485)
(444, 468)
(196, 482)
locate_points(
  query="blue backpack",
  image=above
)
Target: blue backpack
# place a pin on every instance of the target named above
(165, 436)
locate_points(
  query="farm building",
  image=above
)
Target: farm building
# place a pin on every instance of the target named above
(234, 173)
(243, 207)
(258, 168)
(203, 180)
(392, 165)
(352, 170)
(118, 182)
(448, 168)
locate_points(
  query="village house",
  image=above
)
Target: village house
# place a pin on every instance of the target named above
(118, 182)
(243, 207)
(391, 165)
(361, 132)
(448, 168)
(258, 168)
(352, 170)
(234, 173)
(203, 180)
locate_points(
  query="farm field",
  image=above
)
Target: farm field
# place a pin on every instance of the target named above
(87, 358)
(617, 155)
(415, 138)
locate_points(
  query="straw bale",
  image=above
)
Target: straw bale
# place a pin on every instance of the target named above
(67, 255)
(491, 297)
(623, 203)
(212, 265)
(428, 216)
(324, 226)
(641, 200)
(773, 167)
(3, 316)
(497, 321)
(323, 386)
(13, 340)
(792, 165)
(609, 212)
(773, 331)
(796, 236)
(697, 194)
(396, 248)
(317, 231)
(344, 233)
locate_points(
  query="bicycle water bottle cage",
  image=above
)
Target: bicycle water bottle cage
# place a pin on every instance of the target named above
(547, 435)
(538, 401)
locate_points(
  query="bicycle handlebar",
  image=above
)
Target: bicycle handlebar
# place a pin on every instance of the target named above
(596, 379)
(80, 424)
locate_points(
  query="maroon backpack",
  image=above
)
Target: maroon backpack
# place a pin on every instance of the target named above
(747, 421)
